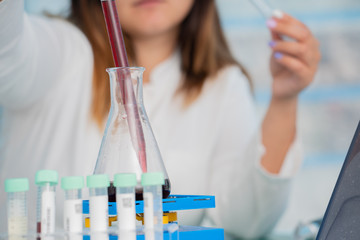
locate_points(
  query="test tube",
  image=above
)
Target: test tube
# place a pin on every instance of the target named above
(46, 180)
(266, 10)
(17, 211)
(73, 218)
(153, 211)
(98, 202)
(125, 201)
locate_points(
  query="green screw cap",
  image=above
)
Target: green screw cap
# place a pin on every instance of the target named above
(73, 182)
(16, 185)
(125, 180)
(151, 179)
(97, 181)
(46, 176)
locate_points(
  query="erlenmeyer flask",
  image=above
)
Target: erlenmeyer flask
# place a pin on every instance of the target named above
(118, 152)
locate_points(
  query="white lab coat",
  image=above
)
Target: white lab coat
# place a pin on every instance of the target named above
(211, 147)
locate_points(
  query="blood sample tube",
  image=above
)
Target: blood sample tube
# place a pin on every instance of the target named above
(17, 211)
(125, 201)
(98, 202)
(73, 218)
(153, 211)
(46, 180)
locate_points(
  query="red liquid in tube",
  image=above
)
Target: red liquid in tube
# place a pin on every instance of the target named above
(120, 58)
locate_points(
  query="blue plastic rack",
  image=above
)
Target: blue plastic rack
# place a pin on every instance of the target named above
(177, 203)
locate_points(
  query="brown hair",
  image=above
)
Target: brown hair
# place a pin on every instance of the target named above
(204, 50)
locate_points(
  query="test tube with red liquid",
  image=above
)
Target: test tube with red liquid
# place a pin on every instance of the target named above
(46, 180)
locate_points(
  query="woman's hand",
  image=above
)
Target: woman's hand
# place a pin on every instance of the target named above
(293, 66)
(294, 62)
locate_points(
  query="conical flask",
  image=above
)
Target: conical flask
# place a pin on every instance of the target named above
(118, 153)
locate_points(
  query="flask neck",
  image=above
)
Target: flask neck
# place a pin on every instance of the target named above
(124, 82)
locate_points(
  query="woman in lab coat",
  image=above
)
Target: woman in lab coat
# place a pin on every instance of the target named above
(54, 93)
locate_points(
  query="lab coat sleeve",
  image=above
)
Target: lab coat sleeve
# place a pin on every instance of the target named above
(249, 201)
(32, 54)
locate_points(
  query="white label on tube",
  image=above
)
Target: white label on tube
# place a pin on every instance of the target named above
(148, 210)
(149, 215)
(100, 236)
(127, 234)
(73, 215)
(99, 213)
(48, 212)
(126, 211)
(72, 236)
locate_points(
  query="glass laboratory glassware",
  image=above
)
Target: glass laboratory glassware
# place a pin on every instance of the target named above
(17, 207)
(117, 153)
(73, 218)
(46, 180)
(98, 202)
(125, 184)
(153, 211)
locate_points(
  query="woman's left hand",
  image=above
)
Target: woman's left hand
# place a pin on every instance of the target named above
(293, 62)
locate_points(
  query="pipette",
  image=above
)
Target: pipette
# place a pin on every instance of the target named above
(265, 9)
(128, 97)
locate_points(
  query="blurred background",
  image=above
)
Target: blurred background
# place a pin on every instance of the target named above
(329, 110)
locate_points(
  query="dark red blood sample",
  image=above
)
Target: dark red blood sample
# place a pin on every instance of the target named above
(38, 229)
(112, 193)
(166, 188)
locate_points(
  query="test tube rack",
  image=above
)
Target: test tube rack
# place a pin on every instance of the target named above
(171, 205)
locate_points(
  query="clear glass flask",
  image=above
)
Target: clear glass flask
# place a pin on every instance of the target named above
(117, 152)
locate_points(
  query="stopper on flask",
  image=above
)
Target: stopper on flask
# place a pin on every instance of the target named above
(16, 185)
(73, 182)
(153, 178)
(98, 181)
(46, 176)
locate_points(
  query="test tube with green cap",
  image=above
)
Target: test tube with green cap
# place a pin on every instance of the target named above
(153, 212)
(17, 212)
(73, 218)
(125, 201)
(98, 202)
(46, 180)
